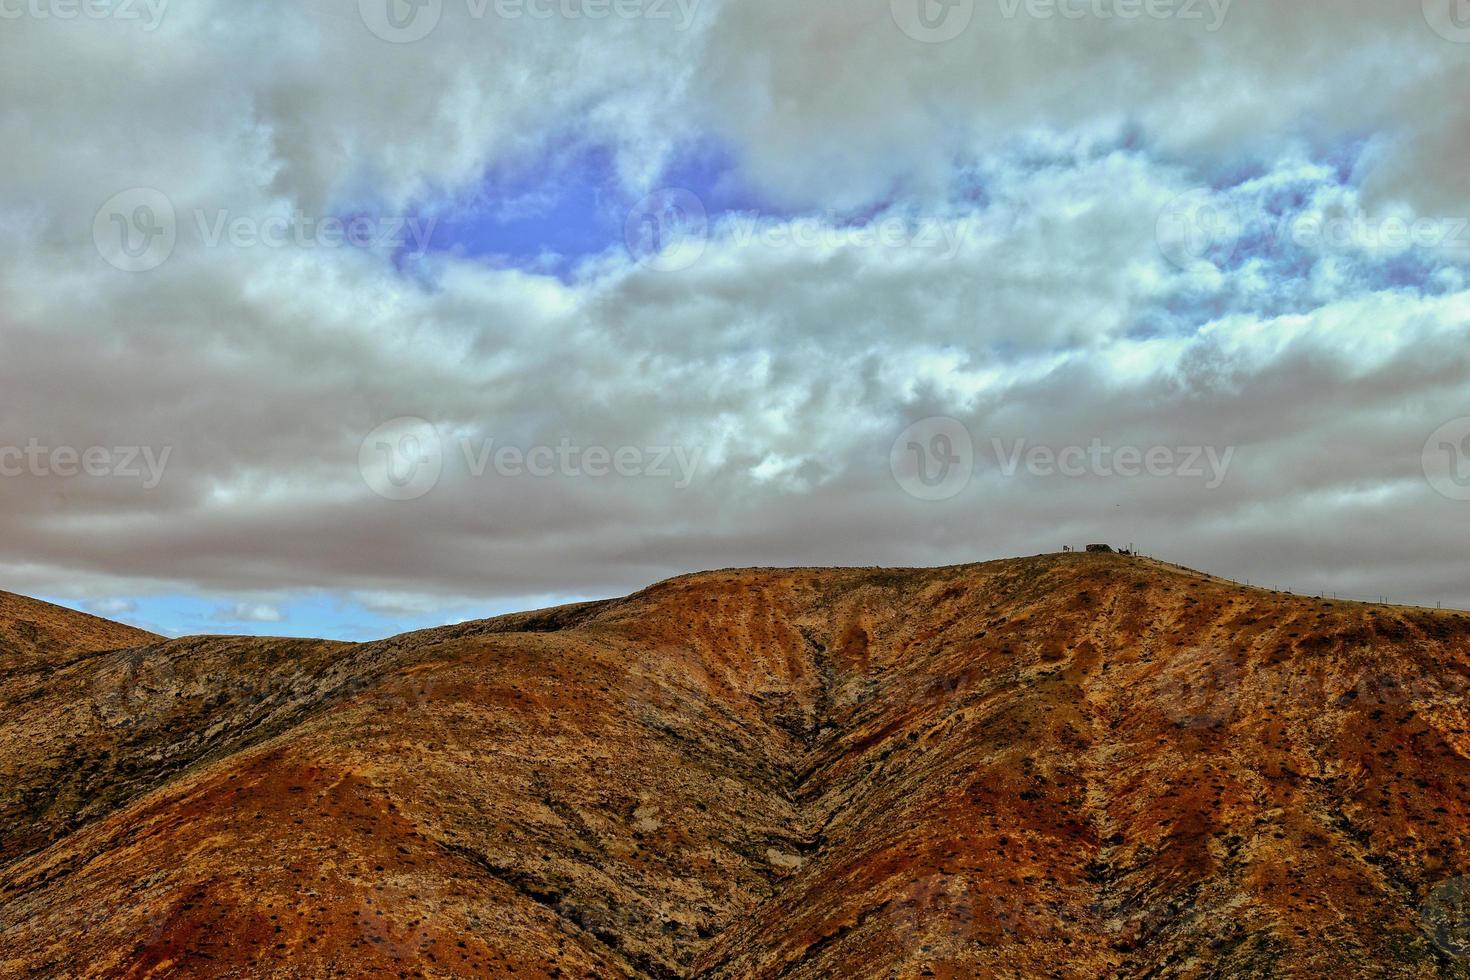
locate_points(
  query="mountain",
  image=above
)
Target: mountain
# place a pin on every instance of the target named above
(35, 634)
(1070, 765)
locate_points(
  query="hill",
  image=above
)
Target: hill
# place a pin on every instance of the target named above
(35, 633)
(1077, 766)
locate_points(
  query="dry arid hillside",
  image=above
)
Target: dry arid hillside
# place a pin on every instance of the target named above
(1065, 766)
(36, 636)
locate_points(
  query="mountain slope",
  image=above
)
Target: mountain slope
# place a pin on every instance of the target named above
(1070, 765)
(36, 634)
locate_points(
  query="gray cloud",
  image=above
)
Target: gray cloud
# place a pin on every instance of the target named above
(790, 369)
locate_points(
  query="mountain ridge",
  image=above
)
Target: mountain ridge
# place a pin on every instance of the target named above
(1067, 765)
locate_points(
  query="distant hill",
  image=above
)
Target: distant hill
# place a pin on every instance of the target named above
(34, 632)
(1076, 766)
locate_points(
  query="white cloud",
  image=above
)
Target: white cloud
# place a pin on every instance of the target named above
(112, 607)
(246, 612)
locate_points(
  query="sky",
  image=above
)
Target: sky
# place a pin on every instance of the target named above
(346, 317)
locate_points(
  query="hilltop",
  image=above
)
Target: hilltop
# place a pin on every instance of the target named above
(1071, 765)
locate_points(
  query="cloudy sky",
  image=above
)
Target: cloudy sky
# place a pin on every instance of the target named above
(336, 318)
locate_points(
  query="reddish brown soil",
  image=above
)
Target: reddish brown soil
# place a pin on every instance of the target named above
(1072, 766)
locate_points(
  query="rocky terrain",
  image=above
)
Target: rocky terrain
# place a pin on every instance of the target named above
(1069, 766)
